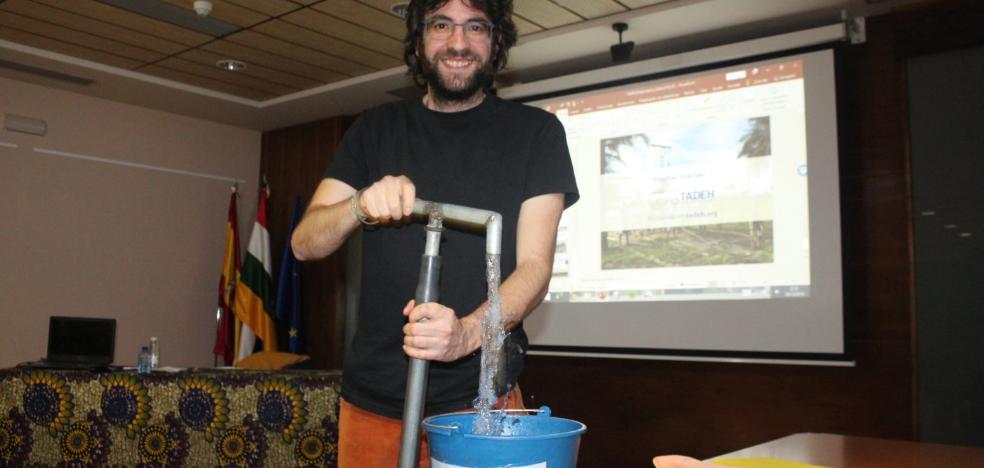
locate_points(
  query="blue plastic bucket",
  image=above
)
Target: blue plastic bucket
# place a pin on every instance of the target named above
(527, 441)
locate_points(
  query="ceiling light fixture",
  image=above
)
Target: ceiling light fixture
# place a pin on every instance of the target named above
(622, 50)
(400, 9)
(202, 7)
(231, 65)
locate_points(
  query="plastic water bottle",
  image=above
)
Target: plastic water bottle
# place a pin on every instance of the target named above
(143, 361)
(155, 353)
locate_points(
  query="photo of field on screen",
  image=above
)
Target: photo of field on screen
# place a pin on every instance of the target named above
(709, 215)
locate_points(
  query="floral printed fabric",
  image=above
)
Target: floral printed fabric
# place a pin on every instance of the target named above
(196, 418)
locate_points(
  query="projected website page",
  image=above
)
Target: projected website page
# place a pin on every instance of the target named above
(692, 188)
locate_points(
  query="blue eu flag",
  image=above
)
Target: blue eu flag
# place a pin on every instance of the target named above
(289, 287)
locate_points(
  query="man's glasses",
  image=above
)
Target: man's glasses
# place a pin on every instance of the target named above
(443, 28)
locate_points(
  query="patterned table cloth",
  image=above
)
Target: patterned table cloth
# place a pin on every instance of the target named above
(194, 418)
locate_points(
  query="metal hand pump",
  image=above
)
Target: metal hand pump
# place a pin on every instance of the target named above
(427, 291)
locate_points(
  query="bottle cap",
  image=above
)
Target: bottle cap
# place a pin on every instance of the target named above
(143, 348)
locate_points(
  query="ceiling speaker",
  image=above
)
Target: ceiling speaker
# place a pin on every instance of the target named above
(623, 50)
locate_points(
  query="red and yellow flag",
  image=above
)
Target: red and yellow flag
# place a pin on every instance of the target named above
(227, 287)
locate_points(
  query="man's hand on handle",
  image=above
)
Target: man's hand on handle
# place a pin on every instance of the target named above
(388, 200)
(435, 333)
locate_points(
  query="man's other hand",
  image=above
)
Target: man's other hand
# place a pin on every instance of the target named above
(435, 333)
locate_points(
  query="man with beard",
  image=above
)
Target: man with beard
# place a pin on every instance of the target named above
(458, 145)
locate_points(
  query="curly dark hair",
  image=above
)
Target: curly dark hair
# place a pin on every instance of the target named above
(503, 32)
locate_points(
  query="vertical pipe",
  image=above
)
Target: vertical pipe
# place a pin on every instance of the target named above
(427, 291)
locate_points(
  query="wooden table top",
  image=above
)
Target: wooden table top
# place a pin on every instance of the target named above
(841, 451)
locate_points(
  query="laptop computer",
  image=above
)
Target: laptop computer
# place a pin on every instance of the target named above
(78, 343)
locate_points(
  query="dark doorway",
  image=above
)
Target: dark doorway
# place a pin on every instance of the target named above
(947, 134)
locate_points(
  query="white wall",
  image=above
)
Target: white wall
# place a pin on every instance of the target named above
(91, 239)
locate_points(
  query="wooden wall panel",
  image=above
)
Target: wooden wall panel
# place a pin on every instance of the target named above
(293, 160)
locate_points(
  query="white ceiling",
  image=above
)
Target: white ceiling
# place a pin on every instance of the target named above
(668, 27)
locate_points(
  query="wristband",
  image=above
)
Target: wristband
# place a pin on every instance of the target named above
(354, 205)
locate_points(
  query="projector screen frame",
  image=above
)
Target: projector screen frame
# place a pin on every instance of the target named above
(844, 358)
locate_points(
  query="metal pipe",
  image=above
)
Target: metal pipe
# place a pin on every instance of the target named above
(427, 291)
(491, 220)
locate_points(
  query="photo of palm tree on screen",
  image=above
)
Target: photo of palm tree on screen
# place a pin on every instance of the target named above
(690, 196)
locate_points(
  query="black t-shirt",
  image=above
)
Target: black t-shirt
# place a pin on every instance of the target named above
(492, 157)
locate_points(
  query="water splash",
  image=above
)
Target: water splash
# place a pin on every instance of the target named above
(493, 337)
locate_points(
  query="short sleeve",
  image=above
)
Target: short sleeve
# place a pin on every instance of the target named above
(550, 168)
(350, 165)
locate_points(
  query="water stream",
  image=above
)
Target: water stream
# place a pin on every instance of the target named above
(493, 337)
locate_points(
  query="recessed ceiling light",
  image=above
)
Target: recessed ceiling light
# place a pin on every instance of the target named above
(400, 9)
(965, 234)
(949, 226)
(231, 65)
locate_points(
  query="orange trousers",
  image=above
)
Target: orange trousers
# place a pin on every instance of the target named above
(368, 440)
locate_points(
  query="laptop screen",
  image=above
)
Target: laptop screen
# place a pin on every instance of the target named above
(75, 339)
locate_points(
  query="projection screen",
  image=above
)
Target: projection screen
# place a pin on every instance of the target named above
(709, 219)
